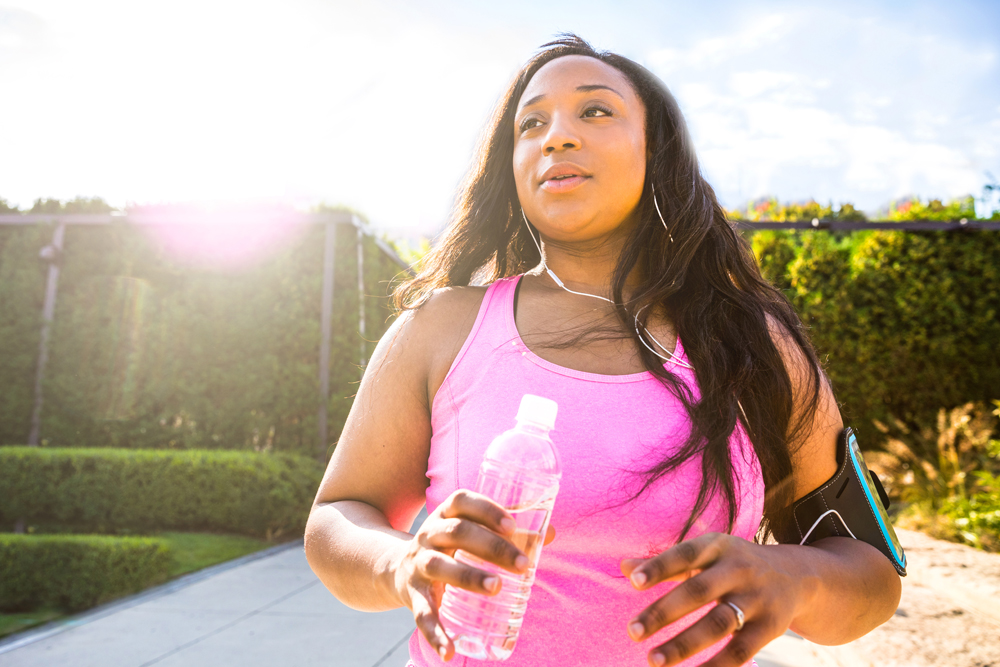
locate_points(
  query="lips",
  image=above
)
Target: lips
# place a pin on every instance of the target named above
(563, 177)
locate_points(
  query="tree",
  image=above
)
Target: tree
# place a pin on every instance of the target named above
(78, 205)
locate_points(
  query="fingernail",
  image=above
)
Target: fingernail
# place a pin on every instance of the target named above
(657, 658)
(521, 562)
(635, 630)
(442, 651)
(491, 583)
(638, 578)
(508, 525)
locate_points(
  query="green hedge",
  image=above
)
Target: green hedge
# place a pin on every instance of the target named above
(907, 323)
(107, 490)
(151, 351)
(74, 572)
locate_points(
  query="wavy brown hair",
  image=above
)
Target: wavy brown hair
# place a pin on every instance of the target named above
(706, 280)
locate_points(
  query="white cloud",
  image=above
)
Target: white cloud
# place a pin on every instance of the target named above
(378, 104)
(714, 51)
(818, 104)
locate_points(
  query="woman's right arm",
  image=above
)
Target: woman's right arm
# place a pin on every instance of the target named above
(356, 538)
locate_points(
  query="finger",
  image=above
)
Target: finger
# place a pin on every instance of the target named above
(436, 566)
(478, 541)
(690, 595)
(479, 508)
(426, 617)
(628, 565)
(713, 626)
(550, 535)
(744, 645)
(689, 555)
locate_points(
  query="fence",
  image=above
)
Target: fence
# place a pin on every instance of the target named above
(117, 336)
(842, 226)
(112, 340)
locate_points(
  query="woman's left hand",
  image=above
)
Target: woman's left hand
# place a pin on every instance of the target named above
(768, 583)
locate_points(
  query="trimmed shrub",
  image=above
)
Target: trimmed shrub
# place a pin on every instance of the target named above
(906, 323)
(106, 490)
(74, 572)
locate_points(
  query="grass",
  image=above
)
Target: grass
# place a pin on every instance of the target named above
(191, 552)
(194, 551)
(11, 623)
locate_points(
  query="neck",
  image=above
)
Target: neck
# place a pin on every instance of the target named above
(585, 266)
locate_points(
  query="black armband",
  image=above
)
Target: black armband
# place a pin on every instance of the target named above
(851, 504)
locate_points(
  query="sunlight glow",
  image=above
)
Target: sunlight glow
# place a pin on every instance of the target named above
(378, 105)
(222, 238)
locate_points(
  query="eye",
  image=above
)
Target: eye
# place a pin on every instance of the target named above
(597, 111)
(529, 123)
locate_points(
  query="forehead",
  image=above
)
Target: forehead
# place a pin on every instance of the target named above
(566, 74)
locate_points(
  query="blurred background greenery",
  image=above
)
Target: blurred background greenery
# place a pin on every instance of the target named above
(907, 324)
(155, 358)
(150, 351)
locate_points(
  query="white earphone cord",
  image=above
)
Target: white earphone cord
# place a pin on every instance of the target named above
(821, 517)
(671, 357)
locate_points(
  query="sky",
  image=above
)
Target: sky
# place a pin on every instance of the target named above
(378, 104)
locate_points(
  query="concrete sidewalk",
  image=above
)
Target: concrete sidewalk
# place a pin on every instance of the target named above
(265, 609)
(269, 611)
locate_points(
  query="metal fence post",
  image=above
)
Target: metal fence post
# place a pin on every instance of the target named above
(53, 254)
(326, 318)
(361, 293)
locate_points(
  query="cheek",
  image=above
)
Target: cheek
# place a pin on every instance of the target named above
(629, 159)
(637, 153)
(519, 167)
(522, 171)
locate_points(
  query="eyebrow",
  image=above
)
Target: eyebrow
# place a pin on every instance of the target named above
(582, 89)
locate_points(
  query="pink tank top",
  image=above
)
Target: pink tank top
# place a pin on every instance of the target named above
(609, 429)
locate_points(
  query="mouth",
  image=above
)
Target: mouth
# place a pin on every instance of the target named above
(562, 178)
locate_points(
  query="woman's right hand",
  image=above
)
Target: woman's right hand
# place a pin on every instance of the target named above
(468, 521)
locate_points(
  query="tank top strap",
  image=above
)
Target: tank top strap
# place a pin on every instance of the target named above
(496, 313)
(490, 331)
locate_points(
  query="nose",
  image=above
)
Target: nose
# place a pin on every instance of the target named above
(560, 136)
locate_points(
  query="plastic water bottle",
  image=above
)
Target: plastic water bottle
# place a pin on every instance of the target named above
(521, 473)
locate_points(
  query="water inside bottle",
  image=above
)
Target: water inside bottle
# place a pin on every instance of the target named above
(486, 627)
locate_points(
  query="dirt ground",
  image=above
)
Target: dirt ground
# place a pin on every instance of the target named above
(949, 615)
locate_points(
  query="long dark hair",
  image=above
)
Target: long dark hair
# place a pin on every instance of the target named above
(705, 279)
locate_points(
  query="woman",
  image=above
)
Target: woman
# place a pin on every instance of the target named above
(692, 408)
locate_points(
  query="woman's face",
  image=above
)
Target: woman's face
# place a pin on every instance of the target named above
(579, 149)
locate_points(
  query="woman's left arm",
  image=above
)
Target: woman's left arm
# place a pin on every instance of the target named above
(830, 592)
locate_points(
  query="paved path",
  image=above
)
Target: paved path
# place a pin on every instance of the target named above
(266, 609)
(269, 611)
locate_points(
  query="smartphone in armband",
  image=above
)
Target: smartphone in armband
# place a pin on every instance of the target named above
(852, 503)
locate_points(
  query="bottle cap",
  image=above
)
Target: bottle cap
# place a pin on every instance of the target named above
(538, 410)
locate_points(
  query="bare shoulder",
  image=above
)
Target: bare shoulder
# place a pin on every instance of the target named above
(453, 303)
(795, 360)
(443, 323)
(381, 456)
(813, 453)
(434, 331)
